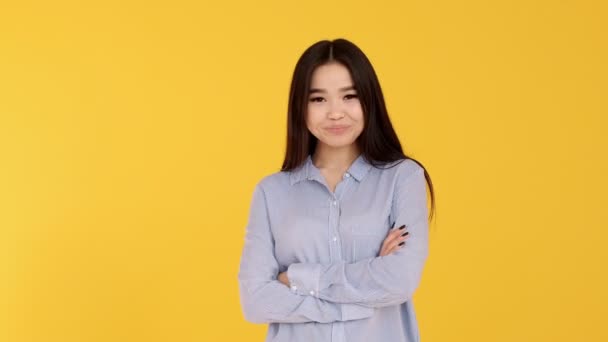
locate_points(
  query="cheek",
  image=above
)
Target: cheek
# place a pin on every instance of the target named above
(360, 119)
(313, 118)
(356, 110)
(357, 115)
(359, 130)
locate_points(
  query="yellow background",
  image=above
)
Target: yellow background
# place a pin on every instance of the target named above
(132, 134)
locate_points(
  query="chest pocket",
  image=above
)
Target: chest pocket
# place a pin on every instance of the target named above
(368, 233)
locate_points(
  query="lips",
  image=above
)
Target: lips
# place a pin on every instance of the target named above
(337, 129)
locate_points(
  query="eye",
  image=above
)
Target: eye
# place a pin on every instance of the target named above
(351, 96)
(316, 99)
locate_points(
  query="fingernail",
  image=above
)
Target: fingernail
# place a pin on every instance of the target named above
(402, 243)
(404, 234)
(402, 227)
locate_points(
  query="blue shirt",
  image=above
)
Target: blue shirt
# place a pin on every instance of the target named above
(329, 242)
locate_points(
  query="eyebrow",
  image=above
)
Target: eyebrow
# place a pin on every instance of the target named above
(318, 90)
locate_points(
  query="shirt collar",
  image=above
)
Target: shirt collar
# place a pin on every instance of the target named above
(358, 169)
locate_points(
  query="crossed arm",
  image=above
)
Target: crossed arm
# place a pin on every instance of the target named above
(337, 291)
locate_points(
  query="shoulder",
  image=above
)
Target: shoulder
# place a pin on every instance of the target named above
(403, 168)
(408, 167)
(405, 173)
(410, 177)
(274, 182)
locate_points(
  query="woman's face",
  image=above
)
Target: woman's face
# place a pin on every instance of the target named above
(334, 114)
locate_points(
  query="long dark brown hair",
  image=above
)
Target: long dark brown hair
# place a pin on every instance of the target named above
(378, 142)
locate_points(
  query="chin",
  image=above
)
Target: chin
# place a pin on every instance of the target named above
(337, 144)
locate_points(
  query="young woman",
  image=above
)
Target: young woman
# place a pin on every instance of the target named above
(337, 240)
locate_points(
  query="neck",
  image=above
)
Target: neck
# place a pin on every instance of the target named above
(335, 158)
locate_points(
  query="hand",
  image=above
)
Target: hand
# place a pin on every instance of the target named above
(283, 278)
(394, 240)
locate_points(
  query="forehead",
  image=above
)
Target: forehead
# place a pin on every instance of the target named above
(332, 75)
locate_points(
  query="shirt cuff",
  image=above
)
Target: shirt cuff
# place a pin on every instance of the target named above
(304, 278)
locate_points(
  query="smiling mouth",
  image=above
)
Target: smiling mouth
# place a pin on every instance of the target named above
(337, 130)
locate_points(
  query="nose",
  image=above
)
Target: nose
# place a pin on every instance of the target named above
(335, 110)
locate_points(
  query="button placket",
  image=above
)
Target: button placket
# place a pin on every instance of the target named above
(333, 229)
(334, 220)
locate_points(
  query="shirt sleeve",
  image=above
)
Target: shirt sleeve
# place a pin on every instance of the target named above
(383, 280)
(263, 298)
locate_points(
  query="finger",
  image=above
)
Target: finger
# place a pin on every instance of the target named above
(388, 247)
(391, 237)
(398, 231)
(393, 249)
(397, 241)
(395, 233)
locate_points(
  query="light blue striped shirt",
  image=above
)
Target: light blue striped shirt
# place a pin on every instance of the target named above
(341, 290)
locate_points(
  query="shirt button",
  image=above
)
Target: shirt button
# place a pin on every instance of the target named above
(312, 293)
(347, 175)
(335, 239)
(293, 287)
(334, 202)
